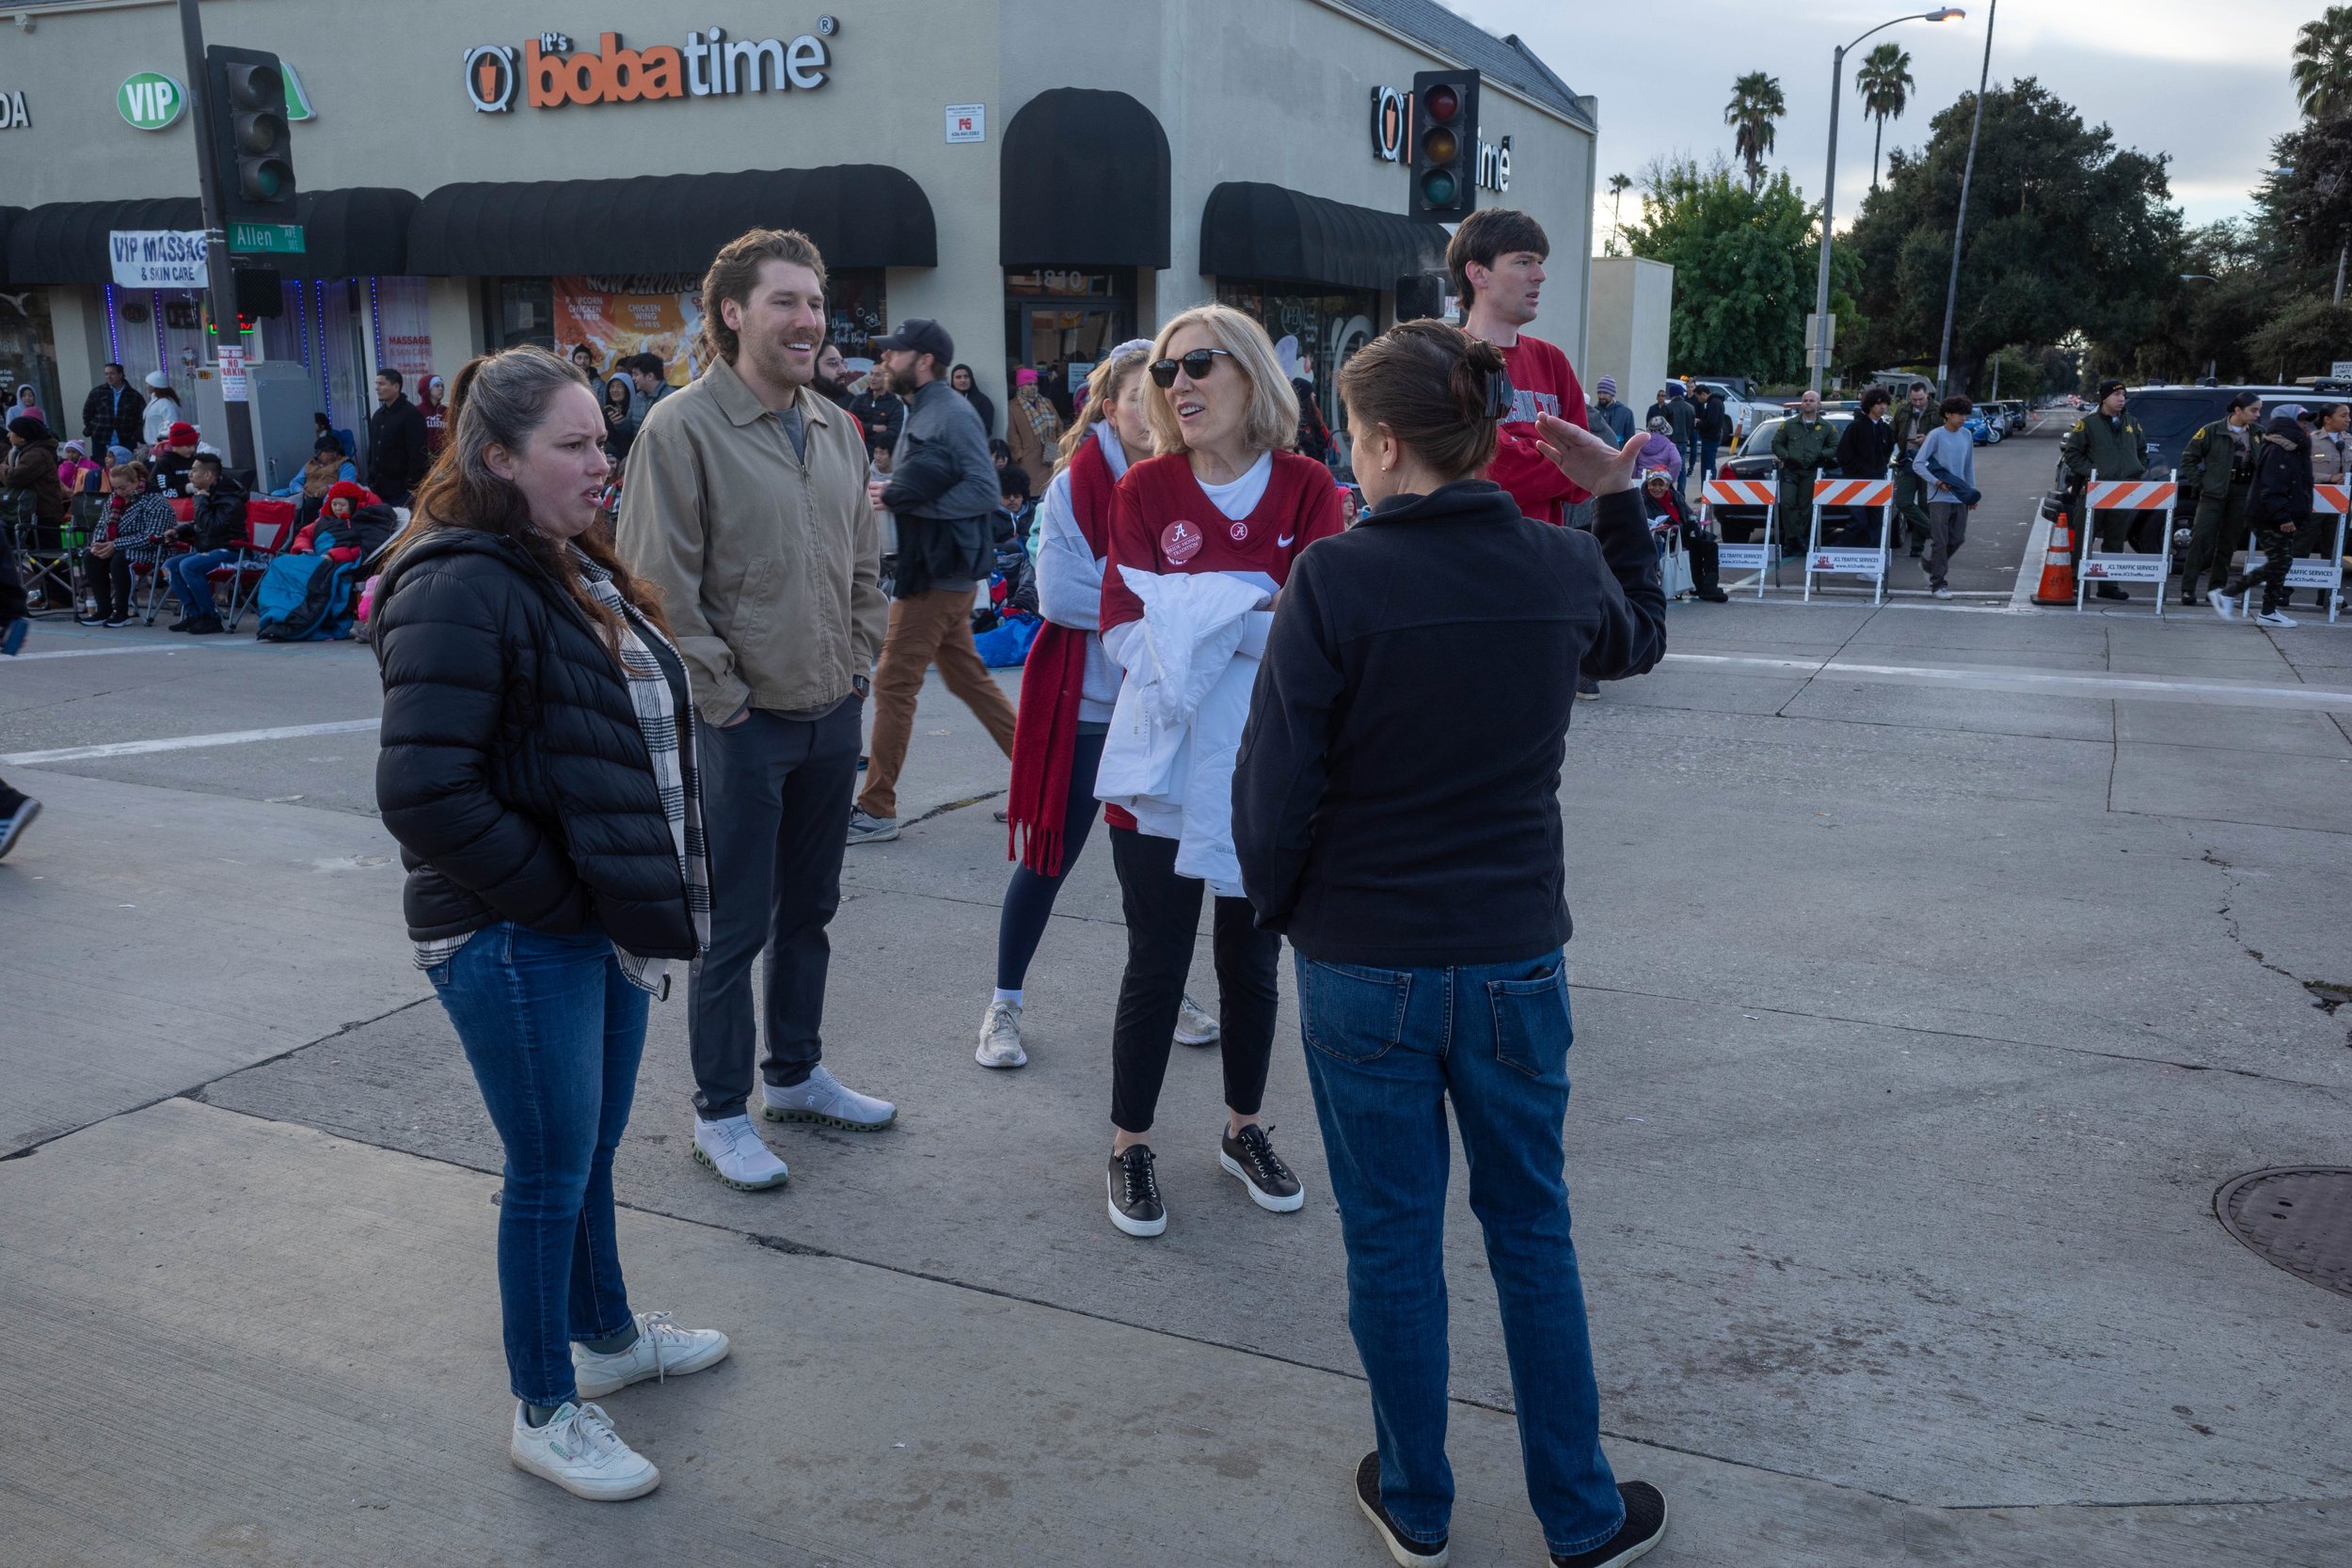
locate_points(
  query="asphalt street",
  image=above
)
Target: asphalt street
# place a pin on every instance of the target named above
(1934, 966)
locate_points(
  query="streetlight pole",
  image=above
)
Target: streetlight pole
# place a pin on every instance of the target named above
(1960, 222)
(1821, 327)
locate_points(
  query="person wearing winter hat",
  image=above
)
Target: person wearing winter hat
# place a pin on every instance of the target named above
(2107, 442)
(1609, 419)
(2279, 508)
(77, 473)
(1033, 429)
(162, 410)
(1667, 512)
(172, 464)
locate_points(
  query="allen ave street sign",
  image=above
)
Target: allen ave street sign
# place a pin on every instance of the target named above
(266, 239)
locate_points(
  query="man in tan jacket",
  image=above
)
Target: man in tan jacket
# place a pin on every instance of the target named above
(746, 505)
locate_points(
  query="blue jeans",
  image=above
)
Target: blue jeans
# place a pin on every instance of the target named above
(553, 1033)
(1706, 459)
(1386, 1048)
(187, 578)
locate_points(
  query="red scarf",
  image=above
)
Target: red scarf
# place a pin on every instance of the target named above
(1053, 683)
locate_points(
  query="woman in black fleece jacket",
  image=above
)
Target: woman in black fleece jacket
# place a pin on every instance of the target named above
(1396, 813)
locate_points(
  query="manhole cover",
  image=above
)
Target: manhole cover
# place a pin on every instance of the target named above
(2298, 1219)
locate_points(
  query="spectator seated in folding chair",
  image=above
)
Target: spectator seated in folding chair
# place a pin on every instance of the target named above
(131, 533)
(269, 532)
(214, 536)
(1664, 505)
(310, 594)
(329, 466)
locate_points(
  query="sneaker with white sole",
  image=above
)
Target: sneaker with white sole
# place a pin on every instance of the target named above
(1000, 1037)
(732, 1152)
(822, 1098)
(662, 1350)
(1644, 1527)
(1195, 1025)
(1251, 1161)
(1134, 1193)
(2276, 618)
(871, 829)
(1941, 592)
(2223, 605)
(1408, 1552)
(578, 1451)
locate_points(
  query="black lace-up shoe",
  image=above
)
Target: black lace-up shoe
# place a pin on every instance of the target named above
(1252, 1159)
(1135, 1189)
(1644, 1527)
(1408, 1552)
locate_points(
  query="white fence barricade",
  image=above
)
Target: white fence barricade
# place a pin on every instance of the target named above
(1756, 557)
(2327, 499)
(2124, 494)
(1822, 560)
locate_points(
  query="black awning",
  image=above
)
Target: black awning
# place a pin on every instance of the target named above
(360, 232)
(1083, 183)
(860, 215)
(8, 216)
(1250, 230)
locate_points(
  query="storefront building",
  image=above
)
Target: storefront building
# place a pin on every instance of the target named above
(1044, 177)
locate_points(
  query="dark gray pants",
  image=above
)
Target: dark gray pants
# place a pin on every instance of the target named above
(1948, 529)
(776, 817)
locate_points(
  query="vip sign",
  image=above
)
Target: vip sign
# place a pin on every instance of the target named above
(12, 114)
(549, 73)
(152, 101)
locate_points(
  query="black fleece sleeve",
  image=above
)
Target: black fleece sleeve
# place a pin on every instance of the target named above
(927, 472)
(444, 664)
(1285, 750)
(1633, 633)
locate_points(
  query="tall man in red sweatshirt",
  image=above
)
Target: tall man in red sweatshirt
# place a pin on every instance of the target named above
(1497, 260)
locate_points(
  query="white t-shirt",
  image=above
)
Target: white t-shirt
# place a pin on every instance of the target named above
(1240, 498)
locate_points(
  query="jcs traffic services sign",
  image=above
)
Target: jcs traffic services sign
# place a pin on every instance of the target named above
(152, 101)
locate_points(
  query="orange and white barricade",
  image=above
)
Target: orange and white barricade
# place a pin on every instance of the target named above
(1754, 556)
(2328, 575)
(2127, 495)
(1822, 560)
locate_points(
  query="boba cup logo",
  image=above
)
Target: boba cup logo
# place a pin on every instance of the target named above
(491, 77)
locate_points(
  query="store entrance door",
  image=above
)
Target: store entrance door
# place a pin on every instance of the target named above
(1059, 323)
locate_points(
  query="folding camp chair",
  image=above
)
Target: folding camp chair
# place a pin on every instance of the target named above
(269, 529)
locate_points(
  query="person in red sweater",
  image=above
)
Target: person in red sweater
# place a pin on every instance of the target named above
(1228, 495)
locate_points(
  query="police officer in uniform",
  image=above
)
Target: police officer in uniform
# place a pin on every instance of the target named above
(2218, 465)
(2107, 442)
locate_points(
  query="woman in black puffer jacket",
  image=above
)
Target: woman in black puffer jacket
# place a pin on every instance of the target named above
(537, 767)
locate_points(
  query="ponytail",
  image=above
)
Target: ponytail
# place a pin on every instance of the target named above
(1439, 390)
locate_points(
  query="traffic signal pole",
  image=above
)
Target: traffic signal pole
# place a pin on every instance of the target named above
(219, 284)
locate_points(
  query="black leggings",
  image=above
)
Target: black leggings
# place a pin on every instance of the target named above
(1163, 924)
(1030, 898)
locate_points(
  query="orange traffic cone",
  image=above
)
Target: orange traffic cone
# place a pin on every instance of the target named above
(2058, 566)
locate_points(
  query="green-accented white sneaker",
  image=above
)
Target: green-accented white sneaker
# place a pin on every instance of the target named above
(732, 1152)
(1195, 1025)
(1000, 1037)
(578, 1451)
(662, 1350)
(822, 1098)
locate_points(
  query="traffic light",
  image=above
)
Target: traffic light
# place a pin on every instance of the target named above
(259, 291)
(1445, 146)
(254, 152)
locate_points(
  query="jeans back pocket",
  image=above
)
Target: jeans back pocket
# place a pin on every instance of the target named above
(1351, 1013)
(1532, 1028)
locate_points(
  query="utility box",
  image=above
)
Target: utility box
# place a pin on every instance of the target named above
(281, 397)
(1632, 311)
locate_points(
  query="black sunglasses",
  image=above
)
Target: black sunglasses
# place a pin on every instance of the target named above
(1197, 365)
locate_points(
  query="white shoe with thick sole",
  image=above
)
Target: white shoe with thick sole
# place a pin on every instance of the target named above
(822, 1098)
(578, 1451)
(662, 1350)
(1195, 1025)
(2276, 618)
(732, 1151)
(2223, 605)
(1000, 1037)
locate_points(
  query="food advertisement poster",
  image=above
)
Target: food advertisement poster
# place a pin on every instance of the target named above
(617, 317)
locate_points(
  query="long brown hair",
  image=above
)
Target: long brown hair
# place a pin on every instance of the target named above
(1106, 385)
(501, 400)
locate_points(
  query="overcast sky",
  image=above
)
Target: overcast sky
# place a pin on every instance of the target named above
(2206, 83)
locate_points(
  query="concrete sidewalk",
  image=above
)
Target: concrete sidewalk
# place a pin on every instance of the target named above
(246, 1342)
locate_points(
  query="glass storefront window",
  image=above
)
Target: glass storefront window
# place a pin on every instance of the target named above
(521, 311)
(28, 357)
(1317, 329)
(856, 309)
(1060, 322)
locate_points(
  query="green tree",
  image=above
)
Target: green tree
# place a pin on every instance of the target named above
(2303, 340)
(1884, 83)
(2321, 69)
(1743, 260)
(2066, 232)
(1618, 185)
(1755, 102)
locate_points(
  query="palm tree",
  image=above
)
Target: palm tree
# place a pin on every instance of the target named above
(1755, 102)
(1884, 83)
(1618, 185)
(2323, 64)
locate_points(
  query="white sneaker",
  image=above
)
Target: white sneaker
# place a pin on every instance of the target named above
(822, 1098)
(1000, 1037)
(733, 1153)
(578, 1451)
(871, 829)
(2276, 618)
(1941, 592)
(1195, 1025)
(2223, 604)
(661, 1348)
